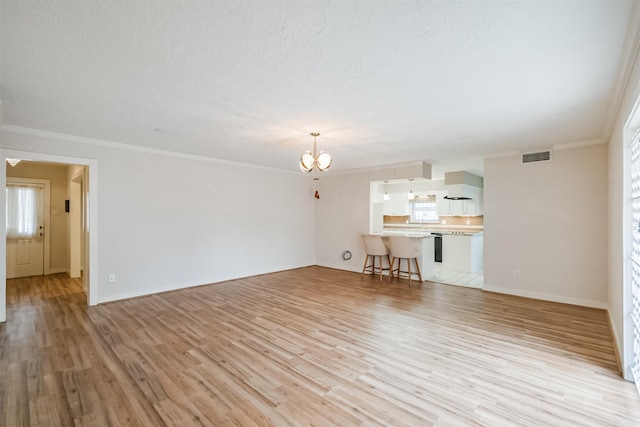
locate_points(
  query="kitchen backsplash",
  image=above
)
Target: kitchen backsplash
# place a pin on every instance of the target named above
(450, 220)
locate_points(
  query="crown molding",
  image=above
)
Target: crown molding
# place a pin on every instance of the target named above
(377, 168)
(552, 147)
(129, 147)
(578, 144)
(628, 60)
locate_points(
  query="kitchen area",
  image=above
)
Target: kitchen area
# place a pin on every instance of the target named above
(445, 215)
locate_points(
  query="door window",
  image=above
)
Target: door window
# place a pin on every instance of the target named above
(22, 211)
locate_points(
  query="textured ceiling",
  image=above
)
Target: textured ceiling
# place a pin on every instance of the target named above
(447, 82)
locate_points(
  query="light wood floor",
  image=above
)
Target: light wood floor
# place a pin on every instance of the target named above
(312, 346)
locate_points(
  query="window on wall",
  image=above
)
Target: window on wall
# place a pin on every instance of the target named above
(424, 209)
(22, 211)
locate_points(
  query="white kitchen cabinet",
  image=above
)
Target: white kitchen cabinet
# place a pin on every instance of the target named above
(398, 204)
(448, 207)
(469, 208)
(444, 207)
(463, 253)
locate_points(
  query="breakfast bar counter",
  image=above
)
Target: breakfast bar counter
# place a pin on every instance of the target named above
(425, 242)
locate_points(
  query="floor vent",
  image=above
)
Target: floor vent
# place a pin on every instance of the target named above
(542, 156)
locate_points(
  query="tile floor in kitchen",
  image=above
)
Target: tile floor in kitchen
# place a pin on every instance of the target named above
(457, 278)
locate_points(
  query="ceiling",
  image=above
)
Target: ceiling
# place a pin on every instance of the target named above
(446, 82)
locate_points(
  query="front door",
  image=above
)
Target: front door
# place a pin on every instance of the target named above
(25, 229)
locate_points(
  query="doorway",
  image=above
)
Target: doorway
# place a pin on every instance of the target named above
(75, 209)
(89, 215)
(27, 227)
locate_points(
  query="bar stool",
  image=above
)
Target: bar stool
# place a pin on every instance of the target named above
(375, 248)
(407, 248)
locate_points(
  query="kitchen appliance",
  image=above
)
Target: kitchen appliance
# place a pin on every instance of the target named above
(462, 185)
(437, 242)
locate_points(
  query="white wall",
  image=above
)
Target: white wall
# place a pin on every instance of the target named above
(548, 221)
(626, 122)
(167, 222)
(343, 212)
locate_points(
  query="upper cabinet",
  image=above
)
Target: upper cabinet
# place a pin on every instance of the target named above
(467, 187)
(472, 207)
(398, 204)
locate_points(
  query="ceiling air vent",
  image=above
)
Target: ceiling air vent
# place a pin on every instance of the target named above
(541, 156)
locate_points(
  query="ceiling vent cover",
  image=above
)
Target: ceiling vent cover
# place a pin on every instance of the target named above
(541, 156)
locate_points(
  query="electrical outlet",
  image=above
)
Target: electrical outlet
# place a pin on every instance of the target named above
(112, 277)
(516, 273)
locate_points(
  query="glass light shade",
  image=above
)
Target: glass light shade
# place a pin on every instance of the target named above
(323, 161)
(411, 196)
(386, 196)
(307, 162)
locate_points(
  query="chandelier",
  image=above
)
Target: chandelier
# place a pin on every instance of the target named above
(309, 161)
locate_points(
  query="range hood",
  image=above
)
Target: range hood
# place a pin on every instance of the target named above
(457, 197)
(462, 185)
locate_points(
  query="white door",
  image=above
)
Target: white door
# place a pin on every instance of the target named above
(25, 229)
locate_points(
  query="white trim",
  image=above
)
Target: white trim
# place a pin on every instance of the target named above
(556, 147)
(3, 236)
(46, 216)
(182, 285)
(130, 147)
(378, 168)
(616, 342)
(91, 248)
(628, 59)
(578, 144)
(354, 266)
(547, 297)
(629, 135)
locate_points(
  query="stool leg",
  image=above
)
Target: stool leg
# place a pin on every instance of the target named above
(366, 259)
(418, 269)
(393, 261)
(409, 270)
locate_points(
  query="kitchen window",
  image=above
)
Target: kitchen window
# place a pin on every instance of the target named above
(424, 209)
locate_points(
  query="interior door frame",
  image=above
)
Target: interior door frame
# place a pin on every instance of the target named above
(46, 218)
(90, 190)
(75, 223)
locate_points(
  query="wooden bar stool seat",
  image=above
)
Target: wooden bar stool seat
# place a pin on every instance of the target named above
(375, 248)
(408, 249)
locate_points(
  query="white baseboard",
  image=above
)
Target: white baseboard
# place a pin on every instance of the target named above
(617, 348)
(342, 266)
(547, 297)
(57, 271)
(175, 287)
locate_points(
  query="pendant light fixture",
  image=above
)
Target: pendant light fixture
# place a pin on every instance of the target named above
(386, 195)
(411, 196)
(309, 161)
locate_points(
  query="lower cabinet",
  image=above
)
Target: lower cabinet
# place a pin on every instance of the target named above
(462, 253)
